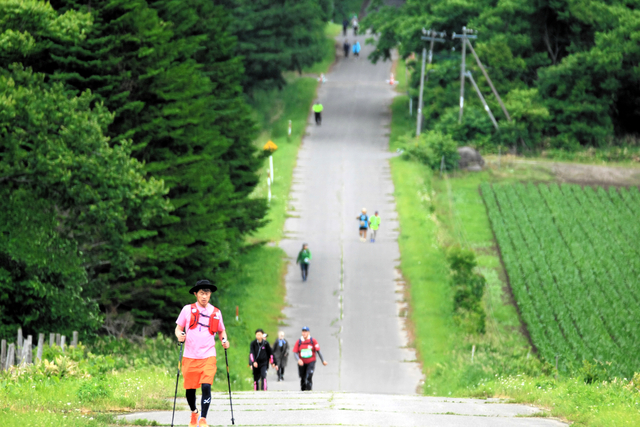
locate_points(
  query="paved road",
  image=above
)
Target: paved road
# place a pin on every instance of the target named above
(350, 299)
(353, 409)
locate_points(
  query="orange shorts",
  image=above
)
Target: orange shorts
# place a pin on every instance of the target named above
(198, 371)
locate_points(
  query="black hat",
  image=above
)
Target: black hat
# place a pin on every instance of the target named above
(203, 284)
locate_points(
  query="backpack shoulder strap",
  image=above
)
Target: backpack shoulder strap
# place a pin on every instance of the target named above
(195, 316)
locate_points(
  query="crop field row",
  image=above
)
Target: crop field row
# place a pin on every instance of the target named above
(573, 260)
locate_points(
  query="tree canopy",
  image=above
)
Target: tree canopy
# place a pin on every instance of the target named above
(566, 70)
(127, 156)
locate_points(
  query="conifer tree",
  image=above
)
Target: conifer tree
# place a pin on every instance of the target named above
(185, 116)
(276, 36)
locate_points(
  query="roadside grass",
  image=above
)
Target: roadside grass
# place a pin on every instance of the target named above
(436, 213)
(148, 380)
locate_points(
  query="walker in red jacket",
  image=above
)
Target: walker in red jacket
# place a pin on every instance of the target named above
(305, 352)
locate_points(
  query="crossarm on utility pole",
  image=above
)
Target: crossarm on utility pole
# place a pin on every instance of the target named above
(486, 76)
(486, 107)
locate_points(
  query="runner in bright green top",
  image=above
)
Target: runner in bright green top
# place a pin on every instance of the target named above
(304, 258)
(317, 109)
(374, 223)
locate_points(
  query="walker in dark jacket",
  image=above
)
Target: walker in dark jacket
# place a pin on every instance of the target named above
(260, 353)
(281, 354)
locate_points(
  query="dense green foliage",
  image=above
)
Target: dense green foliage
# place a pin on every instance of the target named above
(468, 290)
(566, 70)
(132, 155)
(276, 36)
(430, 148)
(572, 259)
(68, 195)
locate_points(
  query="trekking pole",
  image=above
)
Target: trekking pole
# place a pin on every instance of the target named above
(229, 382)
(177, 379)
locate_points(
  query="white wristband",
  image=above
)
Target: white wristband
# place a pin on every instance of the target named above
(224, 340)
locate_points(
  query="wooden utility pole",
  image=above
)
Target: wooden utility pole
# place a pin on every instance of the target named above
(463, 65)
(431, 37)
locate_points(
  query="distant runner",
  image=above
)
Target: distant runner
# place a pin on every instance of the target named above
(281, 354)
(346, 47)
(199, 362)
(356, 49)
(364, 224)
(260, 355)
(374, 223)
(345, 25)
(354, 24)
(305, 352)
(304, 257)
(317, 109)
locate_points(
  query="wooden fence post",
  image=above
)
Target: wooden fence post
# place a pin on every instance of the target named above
(3, 354)
(18, 350)
(52, 340)
(63, 340)
(10, 356)
(40, 347)
(29, 349)
(74, 340)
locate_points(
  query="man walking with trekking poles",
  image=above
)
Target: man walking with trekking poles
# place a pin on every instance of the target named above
(197, 327)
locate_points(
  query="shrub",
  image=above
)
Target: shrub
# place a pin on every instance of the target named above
(468, 290)
(430, 147)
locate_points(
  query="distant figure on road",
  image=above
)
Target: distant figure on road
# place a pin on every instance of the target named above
(374, 223)
(281, 354)
(305, 352)
(354, 24)
(317, 110)
(356, 49)
(260, 355)
(304, 257)
(345, 25)
(346, 47)
(364, 224)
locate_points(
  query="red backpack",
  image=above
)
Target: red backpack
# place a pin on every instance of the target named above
(214, 319)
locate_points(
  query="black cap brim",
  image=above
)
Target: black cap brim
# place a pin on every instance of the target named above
(203, 284)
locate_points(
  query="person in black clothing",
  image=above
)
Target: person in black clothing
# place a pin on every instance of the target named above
(345, 24)
(346, 47)
(259, 358)
(281, 354)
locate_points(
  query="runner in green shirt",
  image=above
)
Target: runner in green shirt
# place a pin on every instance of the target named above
(374, 223)
(304, 257)
(317, 109)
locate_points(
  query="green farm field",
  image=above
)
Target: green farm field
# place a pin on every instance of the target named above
(572, 257)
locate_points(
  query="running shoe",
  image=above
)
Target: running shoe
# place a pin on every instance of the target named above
(203, 423)
(194, 420)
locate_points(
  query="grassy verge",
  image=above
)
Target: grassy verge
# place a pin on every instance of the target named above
(437, 213)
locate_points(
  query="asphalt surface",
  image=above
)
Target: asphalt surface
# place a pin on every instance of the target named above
(353, 297)
(350, 301)
(353, 409)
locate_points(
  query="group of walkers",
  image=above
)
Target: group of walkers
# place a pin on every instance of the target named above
(368, 222)
(261, 355)
(365, 223)
(354, 24)
(355, 48)
(196, 329)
